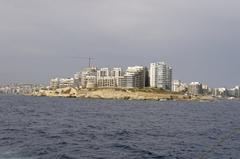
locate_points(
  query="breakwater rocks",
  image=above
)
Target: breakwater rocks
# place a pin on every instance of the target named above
(124, 94)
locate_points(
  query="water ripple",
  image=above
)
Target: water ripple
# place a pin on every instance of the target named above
(47, 128)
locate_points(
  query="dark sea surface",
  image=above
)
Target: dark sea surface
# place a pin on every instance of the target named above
(60, 128)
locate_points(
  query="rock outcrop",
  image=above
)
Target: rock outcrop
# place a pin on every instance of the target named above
(123, 94)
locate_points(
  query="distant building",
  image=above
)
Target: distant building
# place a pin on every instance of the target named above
(103, 72)
(108, 78)
(54, 83)
(135, 77)
(89, 77)
(24, 89)
(220, 92)
(205, 89)
(234, 92)
(77, 80)
(107, 82)
(178, 86)
(237, 89)
(160, 76)
(66, 82)
(116, 72)
(91, 81)
(195, 88)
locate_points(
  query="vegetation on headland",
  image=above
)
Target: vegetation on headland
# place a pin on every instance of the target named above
(119, 93)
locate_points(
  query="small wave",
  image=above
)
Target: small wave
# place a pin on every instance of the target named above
(64, 156)
(62, 143)
(13, 155)
(6, 138)
(121, 146)
(122, 133)
(4, 157)
(138, 152)
(54, 137)
(12, 130)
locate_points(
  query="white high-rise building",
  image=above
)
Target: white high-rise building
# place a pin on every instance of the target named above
(160, 75)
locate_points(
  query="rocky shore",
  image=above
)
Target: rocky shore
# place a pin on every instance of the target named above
(124, 94)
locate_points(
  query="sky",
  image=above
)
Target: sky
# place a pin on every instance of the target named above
(200, 39)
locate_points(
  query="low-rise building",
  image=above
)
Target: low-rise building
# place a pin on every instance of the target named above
(195, 88)
(89, 77)
(61, 83)
(237, 88)
(107, 82)
(24, 89)
(77, 80)
(54, 83)
(220, 92)
(178, 86)
(66, 82)
(205, 89)
(234, 92)
(91, 81)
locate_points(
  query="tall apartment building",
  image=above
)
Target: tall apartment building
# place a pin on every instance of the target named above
(160, 75)
(135, 77)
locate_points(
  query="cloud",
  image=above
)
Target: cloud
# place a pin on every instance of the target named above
(199, 38)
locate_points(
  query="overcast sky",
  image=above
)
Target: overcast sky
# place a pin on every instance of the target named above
(199, 38)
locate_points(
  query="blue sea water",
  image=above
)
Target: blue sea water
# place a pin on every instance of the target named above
(61, 128)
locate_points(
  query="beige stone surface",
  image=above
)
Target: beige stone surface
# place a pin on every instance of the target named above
(147, 94)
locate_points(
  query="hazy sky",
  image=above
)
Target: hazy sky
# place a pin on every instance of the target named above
(199, 38)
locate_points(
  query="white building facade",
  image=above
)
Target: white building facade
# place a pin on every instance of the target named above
(178, 86)
(135, 77)
(103, 72)
(195, 88)
(160, 75)
(116, 72)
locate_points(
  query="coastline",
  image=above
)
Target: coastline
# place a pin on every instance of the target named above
(120, 94)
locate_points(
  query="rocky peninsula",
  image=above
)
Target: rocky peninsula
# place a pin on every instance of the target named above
(117, 93)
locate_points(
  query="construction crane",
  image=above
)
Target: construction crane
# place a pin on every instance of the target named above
(87, 58)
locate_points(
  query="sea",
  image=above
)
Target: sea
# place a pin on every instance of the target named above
(64, 128)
